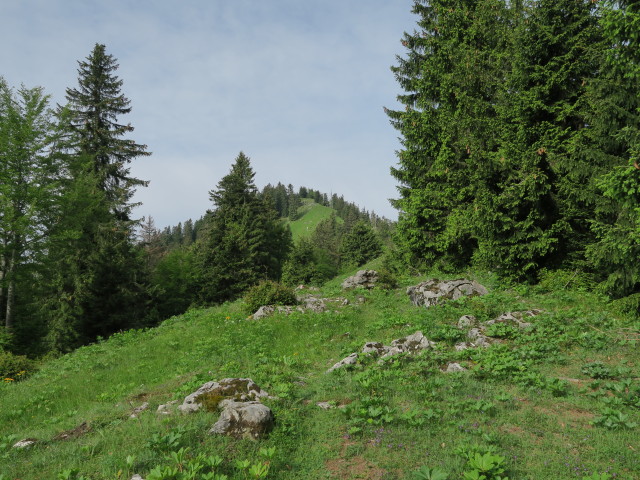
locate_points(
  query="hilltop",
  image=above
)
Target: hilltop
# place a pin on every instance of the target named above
(558, 399)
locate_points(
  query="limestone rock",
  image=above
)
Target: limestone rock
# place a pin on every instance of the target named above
(137, 477)
(410, 344)
(478, 339)
(433, 292)
(26, 442)
(454, 367)
(350, 360)
(244, 420)
(138, 410)
(467, 321)
(364, 278)
(515, 318)
(165, 409)
(212, 393)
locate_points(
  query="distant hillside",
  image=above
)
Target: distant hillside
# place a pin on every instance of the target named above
(310, 215)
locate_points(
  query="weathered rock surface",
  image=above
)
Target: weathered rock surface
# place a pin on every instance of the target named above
(165, 409)
(455, 367)
(410, 344)
(308, 303)
(213, 393)
(467, 321)
(243, 420)
(25, 442)
(514, 318)
(138, 410)
(364, 278)
(433, 292)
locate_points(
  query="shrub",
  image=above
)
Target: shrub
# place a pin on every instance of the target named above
(15, 367)
(268, 293)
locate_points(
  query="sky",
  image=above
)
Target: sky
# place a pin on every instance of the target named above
(299, 86)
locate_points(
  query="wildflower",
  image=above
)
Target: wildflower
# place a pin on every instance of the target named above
(8, 380)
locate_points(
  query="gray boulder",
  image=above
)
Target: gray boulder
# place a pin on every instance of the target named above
(350, 360)
(26, 442)
(410, 344)
(514, 318)
(364, 278)
(455, 367)
(211, 394)
(433, 292)
(243, 420)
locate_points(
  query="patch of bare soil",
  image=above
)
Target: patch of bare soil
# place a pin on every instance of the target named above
(77, 432)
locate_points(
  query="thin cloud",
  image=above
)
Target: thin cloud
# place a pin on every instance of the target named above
(298, 86)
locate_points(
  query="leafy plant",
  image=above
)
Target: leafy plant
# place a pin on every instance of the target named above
(425, 473)
(597, 370)
(613, 419)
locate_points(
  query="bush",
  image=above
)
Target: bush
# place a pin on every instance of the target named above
(15, 367)
(268, 293)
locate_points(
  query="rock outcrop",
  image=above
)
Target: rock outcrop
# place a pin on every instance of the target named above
(364, 278)
(244, 420)
(433, 292)
(410, 344)
(211, 394)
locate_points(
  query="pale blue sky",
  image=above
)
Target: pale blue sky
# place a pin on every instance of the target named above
(298, 85)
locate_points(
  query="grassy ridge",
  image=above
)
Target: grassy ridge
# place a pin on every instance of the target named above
(311, 215)
(557, 401)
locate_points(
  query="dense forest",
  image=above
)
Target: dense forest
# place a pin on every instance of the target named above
(520, 133)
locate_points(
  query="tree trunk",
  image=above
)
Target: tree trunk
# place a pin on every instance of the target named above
(8, 319)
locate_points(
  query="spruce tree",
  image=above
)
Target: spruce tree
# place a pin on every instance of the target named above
(98, 284)
(615, 135)
(450, 75)
(244, 242)
(94, 109)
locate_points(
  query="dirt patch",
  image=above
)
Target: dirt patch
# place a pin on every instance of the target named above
(79, 431)
(355, 467)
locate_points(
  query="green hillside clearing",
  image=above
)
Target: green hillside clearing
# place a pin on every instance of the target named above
(312, 214)
(559, 400)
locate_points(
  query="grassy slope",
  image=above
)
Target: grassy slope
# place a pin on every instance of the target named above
(312, 214)
(401, 415)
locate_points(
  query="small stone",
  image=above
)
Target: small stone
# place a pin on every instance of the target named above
(325, 405)
(350, 360)
(466, 321)
(137, 477)
(27, 442)
(455, 367)
(138, 410)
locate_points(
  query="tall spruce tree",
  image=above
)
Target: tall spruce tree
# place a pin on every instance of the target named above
(450, 75)
(244, 243)
(94, 108)
(615, 136)
(535, 213)
(98, 283)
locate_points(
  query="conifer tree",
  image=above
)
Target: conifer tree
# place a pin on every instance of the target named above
(244, 241)
(360, 245)
(450, 77)
(94, 108)
(98, 285)
(615, 134)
